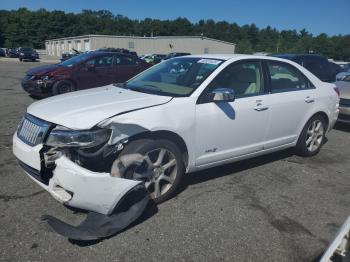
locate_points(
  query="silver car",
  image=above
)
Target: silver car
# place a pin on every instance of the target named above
(343, 85)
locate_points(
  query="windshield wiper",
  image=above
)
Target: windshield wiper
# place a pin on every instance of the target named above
(121, 85)
(151, 87)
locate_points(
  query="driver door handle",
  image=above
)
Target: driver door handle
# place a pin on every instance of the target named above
(259, 107)
(309, 100)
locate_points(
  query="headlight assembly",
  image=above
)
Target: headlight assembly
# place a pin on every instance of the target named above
(45, 78)
(61, 137)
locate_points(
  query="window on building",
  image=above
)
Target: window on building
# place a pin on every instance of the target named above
(131, 45)
(206, 50)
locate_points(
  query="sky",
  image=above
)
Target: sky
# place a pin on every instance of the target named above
(317, 16)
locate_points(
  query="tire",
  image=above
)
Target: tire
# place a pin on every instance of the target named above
(20, 59)
(312, 137)
(33, 60)
(144, 172)
(62, 87)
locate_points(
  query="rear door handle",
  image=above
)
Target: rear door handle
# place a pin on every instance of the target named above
(309, 100)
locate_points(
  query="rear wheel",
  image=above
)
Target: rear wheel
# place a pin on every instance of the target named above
(160, 168)
(63, 86)
(312, 137)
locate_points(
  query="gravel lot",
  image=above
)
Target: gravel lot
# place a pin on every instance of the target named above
(274, 208)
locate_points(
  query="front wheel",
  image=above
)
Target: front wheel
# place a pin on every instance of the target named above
(158, 164)
(62, 86)
(312, 137)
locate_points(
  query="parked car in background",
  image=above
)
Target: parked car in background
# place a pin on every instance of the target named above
(154, 58)
(182, 115)
(175, 54)
(118, 50)
(343, 85)
(12, 53)
(345, 66)
(27, 53)
(91, 69)
(316, 64)
(65, 56)
(2, 52)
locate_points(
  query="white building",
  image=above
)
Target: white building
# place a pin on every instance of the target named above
(141, 45)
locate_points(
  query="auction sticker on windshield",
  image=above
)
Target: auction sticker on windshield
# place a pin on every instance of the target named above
(209, 61)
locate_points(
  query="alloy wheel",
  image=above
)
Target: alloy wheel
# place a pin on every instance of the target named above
(314, 135)
(158, 171)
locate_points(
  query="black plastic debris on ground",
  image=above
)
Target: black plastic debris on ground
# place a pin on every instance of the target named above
(97, 226)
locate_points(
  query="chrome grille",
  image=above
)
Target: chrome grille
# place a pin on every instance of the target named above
(344, 102)
(32, 130)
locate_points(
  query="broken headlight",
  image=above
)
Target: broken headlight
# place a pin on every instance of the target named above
(63, 137)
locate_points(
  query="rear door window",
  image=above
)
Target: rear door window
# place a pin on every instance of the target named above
(101, 61)
(123, 60)
(284, 77)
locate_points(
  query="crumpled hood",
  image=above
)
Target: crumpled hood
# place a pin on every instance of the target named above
(84, 109)
(41, 70)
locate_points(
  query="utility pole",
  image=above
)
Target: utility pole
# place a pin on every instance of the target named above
(278, 43)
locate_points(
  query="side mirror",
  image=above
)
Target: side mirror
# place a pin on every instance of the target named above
(223, 94)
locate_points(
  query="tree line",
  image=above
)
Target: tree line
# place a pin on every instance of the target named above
(23, 27)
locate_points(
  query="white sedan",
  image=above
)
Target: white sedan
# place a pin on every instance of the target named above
(88, 148)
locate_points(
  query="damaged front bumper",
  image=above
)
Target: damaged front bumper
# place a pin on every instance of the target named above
(72, 184)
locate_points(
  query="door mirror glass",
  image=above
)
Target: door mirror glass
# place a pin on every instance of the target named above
(223, 94)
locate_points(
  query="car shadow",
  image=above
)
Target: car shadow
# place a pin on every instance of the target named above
(342, 127)
(227, 109)
(36, 97)
(232, 168)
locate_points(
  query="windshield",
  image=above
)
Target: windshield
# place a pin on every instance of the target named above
(174, 77)
(76, 59)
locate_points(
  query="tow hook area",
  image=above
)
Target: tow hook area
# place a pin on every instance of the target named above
(113, 202)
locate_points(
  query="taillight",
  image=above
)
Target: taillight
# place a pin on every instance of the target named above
(336, 89)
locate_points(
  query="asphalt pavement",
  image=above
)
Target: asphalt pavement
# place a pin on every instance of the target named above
(279, 207)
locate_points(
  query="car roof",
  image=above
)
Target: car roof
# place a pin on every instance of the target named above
(236, 57)
(290, 56)
(109, 53)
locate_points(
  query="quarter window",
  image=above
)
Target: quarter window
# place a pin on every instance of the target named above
(286, 78)
(244, 78)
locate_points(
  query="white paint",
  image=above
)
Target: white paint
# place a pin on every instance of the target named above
(203, 127)
(87, 45)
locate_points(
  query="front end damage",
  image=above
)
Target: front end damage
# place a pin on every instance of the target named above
(79, 187)
(114, 203)
(88, 178)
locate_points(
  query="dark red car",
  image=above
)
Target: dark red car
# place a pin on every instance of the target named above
(84, 71)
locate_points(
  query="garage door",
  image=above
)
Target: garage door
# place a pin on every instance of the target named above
(87, 45)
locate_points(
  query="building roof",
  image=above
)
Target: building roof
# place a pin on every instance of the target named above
(140, 37)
